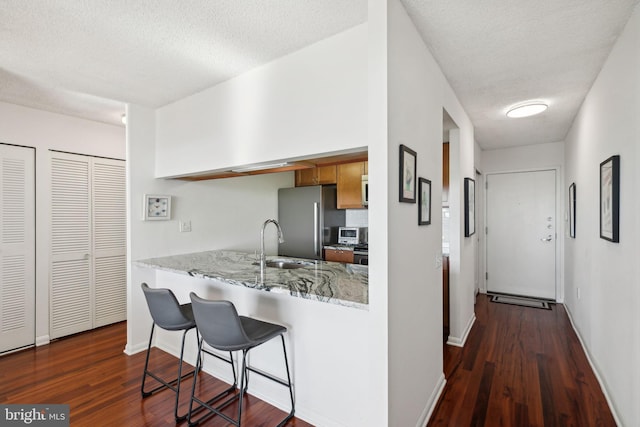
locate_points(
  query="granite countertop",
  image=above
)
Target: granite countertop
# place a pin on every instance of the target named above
(330, 282)
(339, 247)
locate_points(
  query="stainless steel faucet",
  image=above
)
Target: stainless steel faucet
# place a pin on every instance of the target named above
(263, 259)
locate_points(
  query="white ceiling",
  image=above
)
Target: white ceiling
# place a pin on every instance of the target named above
(88, 58)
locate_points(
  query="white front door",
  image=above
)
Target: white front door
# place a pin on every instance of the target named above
(521, 233)
(17, 247)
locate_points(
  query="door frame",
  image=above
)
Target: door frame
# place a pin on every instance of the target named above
(561, 222)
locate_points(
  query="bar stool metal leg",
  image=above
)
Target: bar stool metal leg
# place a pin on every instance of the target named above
(171, 384)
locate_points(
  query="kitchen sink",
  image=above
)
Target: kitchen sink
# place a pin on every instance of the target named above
(287, 264)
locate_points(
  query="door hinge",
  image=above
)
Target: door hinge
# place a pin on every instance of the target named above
(486, 230)
(486, 185)
(486, 276)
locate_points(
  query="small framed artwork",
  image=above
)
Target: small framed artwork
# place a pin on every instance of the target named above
(424, 201)
(610, 199)
(156, 207)
(572, 210)
(408, 159)
(469, 207)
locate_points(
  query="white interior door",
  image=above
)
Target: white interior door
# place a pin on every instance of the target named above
(109, 241)
(521, 233)
(88, 243)
(17, 247)
(70, 295)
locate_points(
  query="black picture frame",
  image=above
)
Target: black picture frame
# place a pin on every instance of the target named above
(424, 201)
(407, 167)
(469, 207)
(610, 199)
(572, 210)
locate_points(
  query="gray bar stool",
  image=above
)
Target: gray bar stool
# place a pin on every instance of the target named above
(223, 329)
(170, 315)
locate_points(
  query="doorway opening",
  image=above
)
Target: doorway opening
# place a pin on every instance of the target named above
(447, 194)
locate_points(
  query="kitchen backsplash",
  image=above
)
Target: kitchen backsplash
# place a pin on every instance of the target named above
(356, 218)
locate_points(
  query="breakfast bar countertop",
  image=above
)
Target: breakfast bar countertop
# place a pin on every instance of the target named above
(330, 282)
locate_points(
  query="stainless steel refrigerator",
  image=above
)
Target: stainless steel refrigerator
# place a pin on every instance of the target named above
(309, 219)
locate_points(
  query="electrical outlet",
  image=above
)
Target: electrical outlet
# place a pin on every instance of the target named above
(185, 226)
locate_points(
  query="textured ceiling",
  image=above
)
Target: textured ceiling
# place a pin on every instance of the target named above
(496, 53)
(87, 58)
(149, 52)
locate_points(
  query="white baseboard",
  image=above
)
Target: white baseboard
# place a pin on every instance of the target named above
(432, 402)
(42, 340)
(459, 341)
(130, 350)
(594, 369)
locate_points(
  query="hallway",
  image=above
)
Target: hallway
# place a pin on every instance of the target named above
(520, 367)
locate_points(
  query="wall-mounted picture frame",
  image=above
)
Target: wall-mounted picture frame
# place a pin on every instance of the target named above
(469, 207)
(424, 201)
(408, 161)
(572, 210)
(156, 207)
(610, 199)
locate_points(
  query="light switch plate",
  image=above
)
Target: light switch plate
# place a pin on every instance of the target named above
(185, 226)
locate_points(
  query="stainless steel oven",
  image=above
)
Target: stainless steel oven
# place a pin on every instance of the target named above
(361, 254)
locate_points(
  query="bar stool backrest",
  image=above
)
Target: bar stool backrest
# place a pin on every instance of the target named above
(166, 310)
(219, 324)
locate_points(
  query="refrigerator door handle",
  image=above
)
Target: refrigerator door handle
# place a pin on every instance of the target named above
(316, 228)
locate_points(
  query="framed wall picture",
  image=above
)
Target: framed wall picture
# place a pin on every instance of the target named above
(572, 210)
(156, 207)
(424, 201)
(610, 199)
(408, 159)
(469, 207)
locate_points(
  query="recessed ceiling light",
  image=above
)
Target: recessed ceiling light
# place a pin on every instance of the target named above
(526, 110)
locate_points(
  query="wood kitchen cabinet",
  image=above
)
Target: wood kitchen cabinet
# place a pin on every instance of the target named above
(320, 175)
(350, 184)
(445, 174)
(338, 255)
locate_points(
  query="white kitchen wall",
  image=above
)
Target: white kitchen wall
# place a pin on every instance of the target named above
(607, 314)
(417, 94)
(49, 131)
(311, 101)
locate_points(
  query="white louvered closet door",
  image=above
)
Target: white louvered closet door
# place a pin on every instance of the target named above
(17, 247)
(88, 244)
(110, 241)
(71, 302)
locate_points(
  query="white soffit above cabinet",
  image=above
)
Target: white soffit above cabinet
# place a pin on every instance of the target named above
(87, 59)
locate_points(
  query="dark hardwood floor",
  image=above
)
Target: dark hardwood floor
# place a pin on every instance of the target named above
(101, 384)
(520, 367)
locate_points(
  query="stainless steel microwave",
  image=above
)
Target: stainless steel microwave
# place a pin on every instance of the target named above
(350, 235)
(365, 190)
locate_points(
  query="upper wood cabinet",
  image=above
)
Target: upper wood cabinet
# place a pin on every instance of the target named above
(350, 184)
(445, 173)
(316, 176)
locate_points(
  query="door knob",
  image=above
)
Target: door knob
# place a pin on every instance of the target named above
(547, 239)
